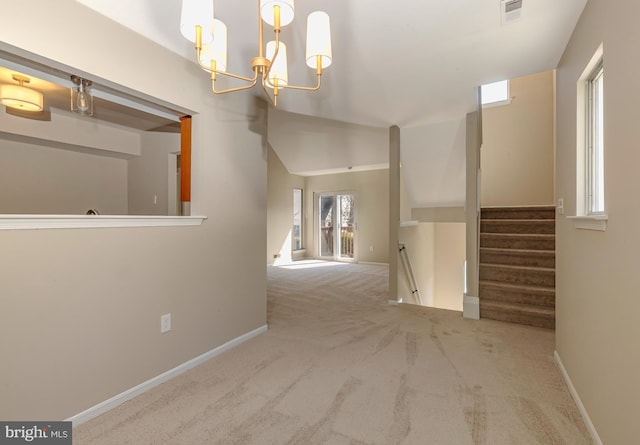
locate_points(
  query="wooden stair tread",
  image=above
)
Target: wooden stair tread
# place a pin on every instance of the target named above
(541, 213)
(524, 235)
(518, 251)
(518, 287)
(519, 220)
(510, 267)
(519, 208)
(520, 308)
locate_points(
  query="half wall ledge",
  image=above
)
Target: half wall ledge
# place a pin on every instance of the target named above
(24, 222)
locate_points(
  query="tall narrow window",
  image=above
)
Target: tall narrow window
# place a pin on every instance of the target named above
(296, 233)
(595, 141)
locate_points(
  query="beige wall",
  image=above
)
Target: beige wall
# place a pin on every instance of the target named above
(437, 253)
(68, 132)
(280, 185)
(311, 145)
(449, 256)
(69, 165)
(438, 214)
(433, 159)
(148, 174)
(597, 272)
(405, 200)
(517, 158)
(81, 307)
(64, 166)
(37, 179)
(372, 210)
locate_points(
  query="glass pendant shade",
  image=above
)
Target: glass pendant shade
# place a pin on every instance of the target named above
(81, 98)
(318, 39)
(217, 50)
(197, 12)
(278, 70)
(81, 101)
(21, 98)
(286, 11)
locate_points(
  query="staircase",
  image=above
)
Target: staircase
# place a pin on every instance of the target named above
(517, 265)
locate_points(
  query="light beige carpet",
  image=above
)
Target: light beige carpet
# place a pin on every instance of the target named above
(339, 365)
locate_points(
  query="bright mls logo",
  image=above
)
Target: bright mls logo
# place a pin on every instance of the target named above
(42, 433)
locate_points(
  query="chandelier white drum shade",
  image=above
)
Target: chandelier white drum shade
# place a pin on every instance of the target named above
(318, 43)
(286, 11)
(269, 66)
(19, 96)
(197, 13)
(217, 49)
(278, 75)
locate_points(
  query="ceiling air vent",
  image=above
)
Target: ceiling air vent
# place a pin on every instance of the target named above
(510, 10)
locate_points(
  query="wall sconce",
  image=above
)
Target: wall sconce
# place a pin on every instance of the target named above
(81, 100)
(19, 96)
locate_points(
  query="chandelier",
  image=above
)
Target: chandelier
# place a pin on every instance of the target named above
(198, 25)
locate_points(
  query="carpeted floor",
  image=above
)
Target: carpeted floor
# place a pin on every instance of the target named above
(339, 365)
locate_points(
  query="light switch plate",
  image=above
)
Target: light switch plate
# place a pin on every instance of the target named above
(165, 323)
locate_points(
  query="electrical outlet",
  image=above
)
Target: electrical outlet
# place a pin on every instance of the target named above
(371, 248)
(276, 256)
(165, 323)
(560, 206)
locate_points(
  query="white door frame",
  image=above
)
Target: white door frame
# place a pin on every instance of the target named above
(336, 224)
(173, 195)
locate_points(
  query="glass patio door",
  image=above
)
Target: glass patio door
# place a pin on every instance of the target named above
(336, 226)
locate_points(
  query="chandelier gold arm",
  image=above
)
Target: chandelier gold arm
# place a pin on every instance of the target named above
(305, 88)
(211, 69)
(274, 99)
(259, 65)
(231, 90)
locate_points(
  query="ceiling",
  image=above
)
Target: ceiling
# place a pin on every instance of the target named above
(405, 63)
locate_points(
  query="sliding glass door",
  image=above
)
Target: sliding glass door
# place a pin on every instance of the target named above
(336, 226)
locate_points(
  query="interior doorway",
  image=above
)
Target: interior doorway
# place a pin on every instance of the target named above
(336, 226)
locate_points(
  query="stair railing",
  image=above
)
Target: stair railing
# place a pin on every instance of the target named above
(408, 271)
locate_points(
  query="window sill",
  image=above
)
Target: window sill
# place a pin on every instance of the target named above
(497, 103)
(23, 222)
(590, 222)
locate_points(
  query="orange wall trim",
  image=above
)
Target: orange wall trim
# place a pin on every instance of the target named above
(185, 159)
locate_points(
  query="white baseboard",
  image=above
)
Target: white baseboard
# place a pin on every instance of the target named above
(572, 390)
(471, 307)
(129, 394)
(298, 254)
(373, 263)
